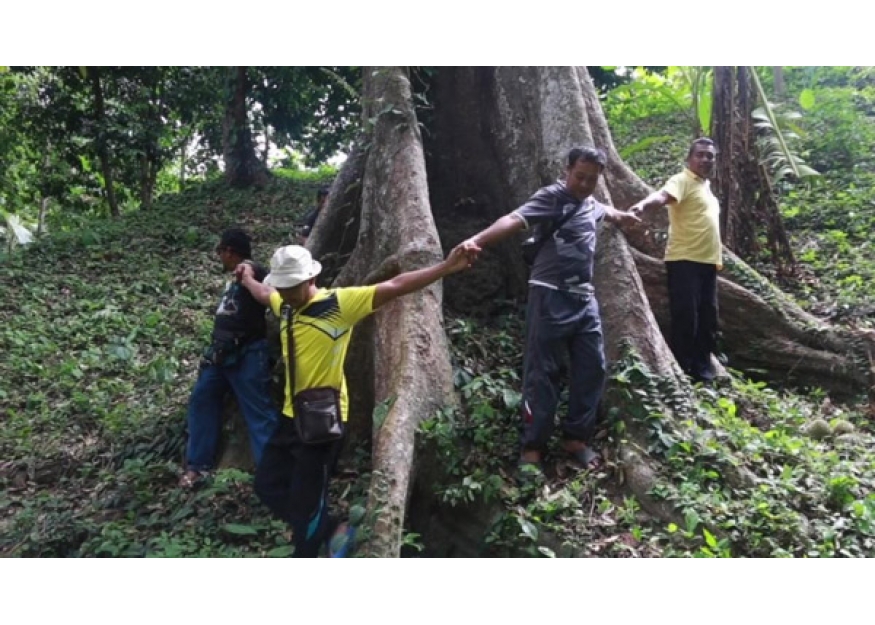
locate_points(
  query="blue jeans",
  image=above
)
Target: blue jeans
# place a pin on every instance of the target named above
(249, 378)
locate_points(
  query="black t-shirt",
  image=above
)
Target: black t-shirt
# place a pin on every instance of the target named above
(239, 315)
(309, 221)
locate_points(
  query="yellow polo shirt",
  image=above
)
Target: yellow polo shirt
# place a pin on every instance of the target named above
(694, 220)
(322, 330)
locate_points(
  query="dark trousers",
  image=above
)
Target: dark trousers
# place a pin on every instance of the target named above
(692, 292)
(561, 325)
(249, 378)
(292, 480)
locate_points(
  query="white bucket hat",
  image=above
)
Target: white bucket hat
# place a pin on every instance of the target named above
(290, 266)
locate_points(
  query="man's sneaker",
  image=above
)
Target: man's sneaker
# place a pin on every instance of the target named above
(343, 543)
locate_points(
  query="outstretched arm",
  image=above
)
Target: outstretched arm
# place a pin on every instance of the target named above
(656, 199)
(620, 218)
(498, 231)
(502, 228)
(411, 281)
(246, 277)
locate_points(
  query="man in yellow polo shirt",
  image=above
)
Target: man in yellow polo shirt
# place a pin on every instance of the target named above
(292, 477)
(692, 258)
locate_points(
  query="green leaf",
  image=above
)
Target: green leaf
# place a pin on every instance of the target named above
(528, 529)
(121, 351)
(546, 551)
(381, 411)
(704, 111)
(807, 99)
(240, 530)
(511, 398)
(356, 514)
(709, 539)
(283, 551)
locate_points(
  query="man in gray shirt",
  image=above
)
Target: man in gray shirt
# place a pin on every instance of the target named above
(562, 314)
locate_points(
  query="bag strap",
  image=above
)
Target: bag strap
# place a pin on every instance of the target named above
(290, 341)
(562, 221)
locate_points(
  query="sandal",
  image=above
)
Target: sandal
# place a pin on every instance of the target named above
(588, 458)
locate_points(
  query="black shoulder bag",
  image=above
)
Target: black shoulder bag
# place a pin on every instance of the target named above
(532, 246)
(317, 410)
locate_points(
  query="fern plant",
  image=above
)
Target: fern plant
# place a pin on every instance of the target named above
(776, 132)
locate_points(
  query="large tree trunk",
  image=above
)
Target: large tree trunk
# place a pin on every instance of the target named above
(102, 146)
(413, 377)
(780, 84)
(148, 176)
(747, 200)
(496, 135)
(242, 165)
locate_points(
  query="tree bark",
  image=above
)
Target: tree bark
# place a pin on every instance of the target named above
(780, 85)
(242, 165)
(44, 200)
(409, 348)
(335, 233)
(102, 147)
(747, 200)
(148, 175)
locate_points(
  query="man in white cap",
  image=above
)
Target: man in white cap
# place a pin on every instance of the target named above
(292, 478)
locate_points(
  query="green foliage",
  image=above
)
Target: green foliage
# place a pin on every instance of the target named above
(477, 450)
(679, 89)
(746, 479)
(774, 137)
(654, 147)
(101, 331)
(739, 468)
(161, 128)
(829, 218)
(831, 226)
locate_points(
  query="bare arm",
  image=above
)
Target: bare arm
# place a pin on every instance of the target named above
(246, 277)
(620, 218)
(656, 199)
(411, 281)
(502, 228)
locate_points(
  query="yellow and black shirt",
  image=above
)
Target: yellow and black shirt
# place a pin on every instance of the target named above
(322, 330)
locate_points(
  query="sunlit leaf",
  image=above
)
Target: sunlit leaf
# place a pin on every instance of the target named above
(240, 530)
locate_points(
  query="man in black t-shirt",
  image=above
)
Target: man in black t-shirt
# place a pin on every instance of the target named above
(236, 360)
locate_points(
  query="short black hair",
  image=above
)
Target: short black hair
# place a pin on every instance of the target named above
(322, 192)
(237, 241)
(587, 155)
(701, 141)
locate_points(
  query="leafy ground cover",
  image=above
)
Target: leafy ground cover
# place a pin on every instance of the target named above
(101, 331)
(807, 467)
